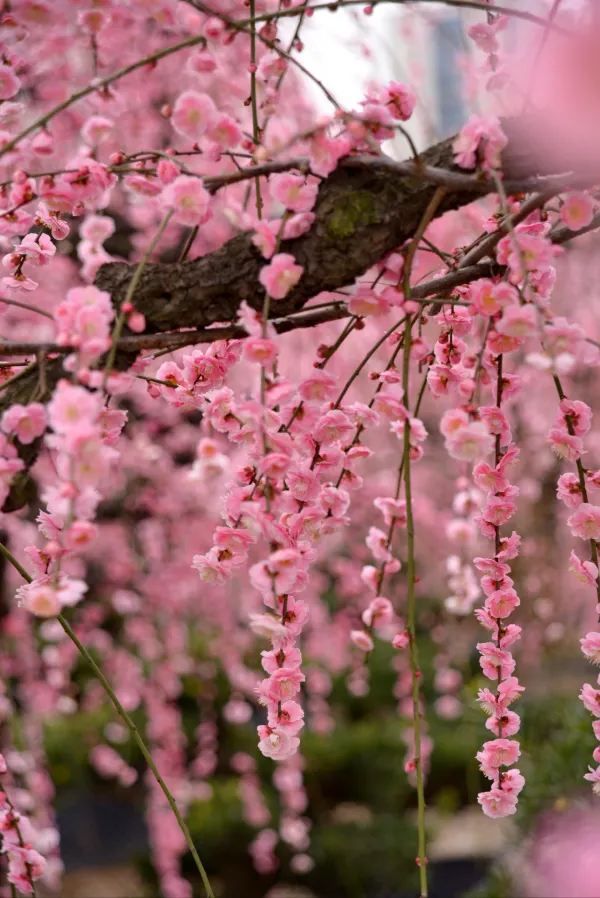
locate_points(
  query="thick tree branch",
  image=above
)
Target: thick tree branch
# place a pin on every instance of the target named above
(366, 208)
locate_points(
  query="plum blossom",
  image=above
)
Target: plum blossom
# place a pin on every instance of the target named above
(47, 596)
(193, 114)
(25, 422)
(280, 275)
(481, 141)
(590, 646)
(497, 803)
(277, 744)
(577, 210)
(188, 199)
(362, 640)
(585, 521)
(293, 191)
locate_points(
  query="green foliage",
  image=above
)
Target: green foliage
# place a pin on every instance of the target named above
(558, 742)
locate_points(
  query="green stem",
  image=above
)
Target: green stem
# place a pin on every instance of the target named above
(127, 720)
(411, 624)
(411, 609)
(135, 733)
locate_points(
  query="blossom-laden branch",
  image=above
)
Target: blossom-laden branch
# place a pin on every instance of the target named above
(27, 857)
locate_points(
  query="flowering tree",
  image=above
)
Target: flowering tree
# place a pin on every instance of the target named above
(234, 330)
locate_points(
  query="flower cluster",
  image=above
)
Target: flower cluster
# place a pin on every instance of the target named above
(25, 864)
(82, 440)
(471, 436)
(566, 438)
(496, 660)
(83, 322)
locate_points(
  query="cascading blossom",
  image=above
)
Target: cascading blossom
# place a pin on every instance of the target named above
(278, 311)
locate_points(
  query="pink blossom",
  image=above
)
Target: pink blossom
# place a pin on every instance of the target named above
(284, 683)
(577, 210)
(265, 237)
(497, 803)
(224, 131)
(585, 521)
(496, 663)
(333, 427)
(293, 191)
(277, 744)
(481, 141)
(513, 781)
(303, 484)
(261, 351)
(564, 444)
(193, 114)
(366, 302)
(488, 298)
(509, 690)
(97, 228)
(188, 199)
(362, 640)
(590, 698)
(401, 640)
(506, 724)
(379, 612)
(377, 541)
(590, 646)
(289, 717)
(401, 100)
(71, 407)
(578, 414)
(585, 571)
(271, 66)
(37, 248)
(484, 34)
(502, 602)
(470, 442)
(489, 479)
(325, 152)
(46, 597)
(568, 490)
(497, 753)
(498, 510)
(452, 421)
(391, 509)
(525, 251)
(518, 321)
(9, 83)
(97, 129)
(210, 567)
(593, 776)
(280, 275)
(286, 655)
(26, 422)
(336, 501)
(83, 320)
